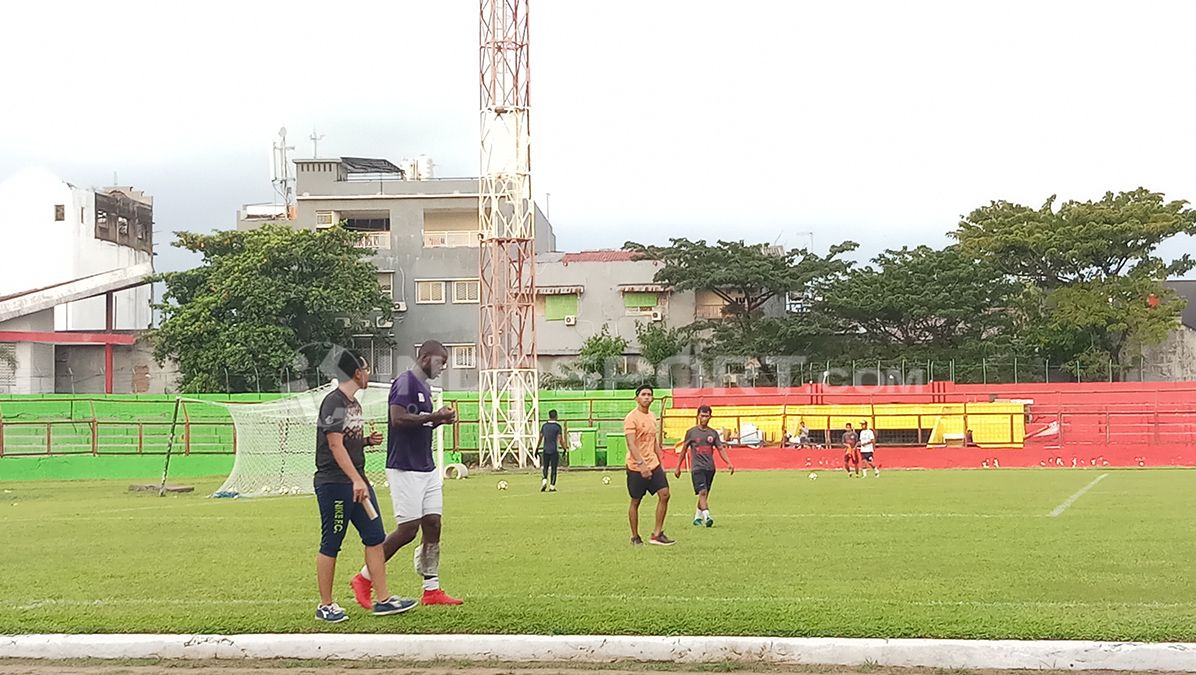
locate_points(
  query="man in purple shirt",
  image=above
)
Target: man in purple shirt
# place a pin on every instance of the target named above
(416, 485)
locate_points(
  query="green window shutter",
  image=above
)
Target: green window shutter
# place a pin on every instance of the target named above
(639, 299)
(557, 307)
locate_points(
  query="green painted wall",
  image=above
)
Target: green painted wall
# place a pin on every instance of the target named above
(149, 467)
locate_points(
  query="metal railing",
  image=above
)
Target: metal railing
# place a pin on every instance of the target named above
(453, 239)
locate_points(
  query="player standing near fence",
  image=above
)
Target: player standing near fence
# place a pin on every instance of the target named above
(867, 447)
(551, 443)
(851, 453)
(345, 495)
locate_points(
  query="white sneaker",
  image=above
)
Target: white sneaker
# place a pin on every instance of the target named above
(876, 473)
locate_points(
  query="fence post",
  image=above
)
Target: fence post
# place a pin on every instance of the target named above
(984, 370)
(187, 430)
(140, 437)
(95, 431)
(1047, 371)
(1015, 369)
(1106, 428)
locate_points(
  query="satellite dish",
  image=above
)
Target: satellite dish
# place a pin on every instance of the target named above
(282, 132)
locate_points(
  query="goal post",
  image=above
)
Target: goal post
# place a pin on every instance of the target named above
(275, 441)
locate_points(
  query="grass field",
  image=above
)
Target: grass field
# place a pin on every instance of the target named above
(959, 554)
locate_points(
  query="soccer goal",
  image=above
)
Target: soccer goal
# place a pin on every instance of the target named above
(275, 442)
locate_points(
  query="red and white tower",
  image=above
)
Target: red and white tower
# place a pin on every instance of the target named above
(509, 384)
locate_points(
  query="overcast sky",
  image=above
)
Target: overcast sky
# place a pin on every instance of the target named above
(880, 122)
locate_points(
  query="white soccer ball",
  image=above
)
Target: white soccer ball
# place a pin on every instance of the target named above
(813, 476)
(606, 480)
(502, 485)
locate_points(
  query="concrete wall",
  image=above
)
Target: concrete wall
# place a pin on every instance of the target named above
(1174, 360)
(34, 367)
(79, 369)
(38, 251)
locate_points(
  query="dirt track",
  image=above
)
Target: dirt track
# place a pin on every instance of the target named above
(238, 667)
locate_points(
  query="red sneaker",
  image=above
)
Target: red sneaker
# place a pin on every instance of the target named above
(439, 597)
(363, 590)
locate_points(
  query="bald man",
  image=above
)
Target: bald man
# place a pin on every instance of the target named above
(416, 486)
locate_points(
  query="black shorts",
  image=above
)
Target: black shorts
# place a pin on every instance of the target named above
(637, 485)
(703, 479)
(867, 456)
(337, 509)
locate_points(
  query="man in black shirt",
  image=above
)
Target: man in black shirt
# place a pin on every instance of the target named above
(343, 493)
(552, 440)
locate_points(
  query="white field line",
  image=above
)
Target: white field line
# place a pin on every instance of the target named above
(33, 604)
(1072, 499)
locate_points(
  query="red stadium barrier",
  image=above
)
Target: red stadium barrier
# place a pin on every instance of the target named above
(1118, 423)
(962, 458)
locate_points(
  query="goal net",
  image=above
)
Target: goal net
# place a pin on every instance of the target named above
(275, 442)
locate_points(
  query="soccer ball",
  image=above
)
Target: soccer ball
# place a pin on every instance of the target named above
(813, 476)
(502, 485)
(606, 480)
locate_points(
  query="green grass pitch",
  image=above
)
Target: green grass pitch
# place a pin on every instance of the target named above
(949, 554)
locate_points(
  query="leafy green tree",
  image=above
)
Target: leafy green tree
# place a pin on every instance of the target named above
(263, 302)
(659, 343)
(915, 298)
(747, 277)
(1094, 282)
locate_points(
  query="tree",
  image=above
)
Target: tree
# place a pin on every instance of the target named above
(746, 278)
(658, 343)
(600, 352)
(263, 302)
(1090, 269)
(915, 298)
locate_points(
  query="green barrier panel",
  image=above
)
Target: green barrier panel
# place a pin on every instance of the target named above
(586, 453)
(616, 450)
(146, 467)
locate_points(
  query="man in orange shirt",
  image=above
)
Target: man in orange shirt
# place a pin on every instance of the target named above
(644, 473)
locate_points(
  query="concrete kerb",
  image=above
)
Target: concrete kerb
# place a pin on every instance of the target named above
(993, 654)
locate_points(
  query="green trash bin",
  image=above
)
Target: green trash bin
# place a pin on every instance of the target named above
(585, 453)
(616, 450)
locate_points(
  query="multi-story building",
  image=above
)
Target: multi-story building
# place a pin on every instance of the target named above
(425, 233)
(73, 297)
(52, 232)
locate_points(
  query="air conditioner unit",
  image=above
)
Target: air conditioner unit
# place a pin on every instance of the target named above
(400, 306)
(381, 322)
(344, 321)
(657, 315)
(367, 324)
(570, 320)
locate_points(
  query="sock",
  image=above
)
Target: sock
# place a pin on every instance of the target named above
(431, 583)
(706, 514)
(365, 572)
(697, 514)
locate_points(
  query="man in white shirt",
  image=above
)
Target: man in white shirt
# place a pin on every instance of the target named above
(867, 447)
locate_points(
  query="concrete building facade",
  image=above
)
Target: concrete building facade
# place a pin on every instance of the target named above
(52, 232)
(425, 233)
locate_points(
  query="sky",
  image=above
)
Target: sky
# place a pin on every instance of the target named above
(879, 122)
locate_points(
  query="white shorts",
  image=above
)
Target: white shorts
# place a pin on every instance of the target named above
(415, 494)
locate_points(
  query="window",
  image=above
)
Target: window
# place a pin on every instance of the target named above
(429, 292)
(464, 356)
(325, 219)
(557, 307)
(82, 217)
(122, 226)
(102, 219)
(386, 282)
(8, 367)
(466, 291)
(640, 304)
(59, 213)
